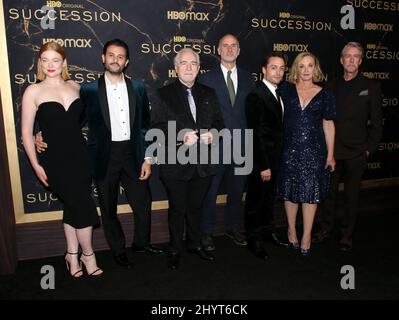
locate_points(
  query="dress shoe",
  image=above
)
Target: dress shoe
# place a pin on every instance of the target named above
(207, 242)
(150, 249)
(202, 254)
(345, 247)
(173, 261)
(122, 260)
(273, 238)
(257, 249)
(320, 236)
(293, 245)
(237, 237)
(345, 244)
(305, 252)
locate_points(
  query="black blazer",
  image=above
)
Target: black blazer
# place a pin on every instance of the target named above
(174, 106)
(94, 95)
(354, 135)
(265, 117)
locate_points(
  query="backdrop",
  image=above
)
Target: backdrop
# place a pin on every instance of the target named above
(156, 30)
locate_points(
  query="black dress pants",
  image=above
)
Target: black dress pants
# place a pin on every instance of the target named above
(121, 170)
(186, 198)
(350, 171)
(259, 206)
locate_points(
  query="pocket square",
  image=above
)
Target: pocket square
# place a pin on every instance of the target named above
(364, 93)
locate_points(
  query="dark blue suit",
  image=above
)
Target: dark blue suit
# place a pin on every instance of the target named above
(234, 118)
(121, 161)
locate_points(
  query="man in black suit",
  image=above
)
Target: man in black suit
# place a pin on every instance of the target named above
(118, 117)
(232, 85)
(264, 110)
(358, 132)
(193, 108)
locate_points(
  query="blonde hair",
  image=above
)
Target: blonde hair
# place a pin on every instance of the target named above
(57, 48)
(317, 73)
(352, 44)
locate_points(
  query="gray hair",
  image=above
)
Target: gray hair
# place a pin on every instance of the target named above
(352, 44)
(176, 59)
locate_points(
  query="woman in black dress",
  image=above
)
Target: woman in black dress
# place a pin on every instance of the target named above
(64, 167)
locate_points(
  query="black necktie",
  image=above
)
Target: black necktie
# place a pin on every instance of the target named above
(279, 97)
(279, 100)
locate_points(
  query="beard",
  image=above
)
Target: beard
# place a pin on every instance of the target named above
(114, 68)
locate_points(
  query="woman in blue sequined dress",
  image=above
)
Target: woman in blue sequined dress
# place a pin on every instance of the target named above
(307, 157)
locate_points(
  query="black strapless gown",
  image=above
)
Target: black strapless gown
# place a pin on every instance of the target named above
(66, 161)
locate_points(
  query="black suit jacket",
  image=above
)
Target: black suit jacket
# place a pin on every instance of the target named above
(174, 106)
(94, 95)
(265, 117)
(354, 135)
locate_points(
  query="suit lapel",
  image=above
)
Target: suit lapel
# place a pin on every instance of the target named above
(102, 95)
(183, 104)
(271, 100)
(239, 85)
(199, 102)
(223, 87)
(132, 101)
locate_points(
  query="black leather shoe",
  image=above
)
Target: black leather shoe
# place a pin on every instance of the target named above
(202, 254)
(237, 238)
(173, 261)
(150, 249)
(273, 238)
(207, 242)
(345, 244)
(122, 260)
(257, 249)
(320, 236)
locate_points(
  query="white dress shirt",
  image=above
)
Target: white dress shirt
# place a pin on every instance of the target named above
(273, 88)
(118, 102)
(233, 76)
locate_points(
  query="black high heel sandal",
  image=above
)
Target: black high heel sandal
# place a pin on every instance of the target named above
(94, 273)
(292, 245)
(78, 273)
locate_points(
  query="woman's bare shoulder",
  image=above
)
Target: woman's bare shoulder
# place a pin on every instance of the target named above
(73, 84)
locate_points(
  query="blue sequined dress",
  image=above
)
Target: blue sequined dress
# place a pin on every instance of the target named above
(303, 178)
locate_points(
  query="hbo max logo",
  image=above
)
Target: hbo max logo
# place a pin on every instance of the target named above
(181, 15)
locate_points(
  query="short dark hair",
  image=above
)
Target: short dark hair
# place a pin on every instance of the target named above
(116, 42)
(275, 54)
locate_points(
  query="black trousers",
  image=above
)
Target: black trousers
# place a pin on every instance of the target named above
(350, 171)
(121, 170)
(185, 204)
(259, 205)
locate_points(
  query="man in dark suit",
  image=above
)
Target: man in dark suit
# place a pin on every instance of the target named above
(193, 108)
(118, 117)
(264, 111)
(232, 85)
(358, 132)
